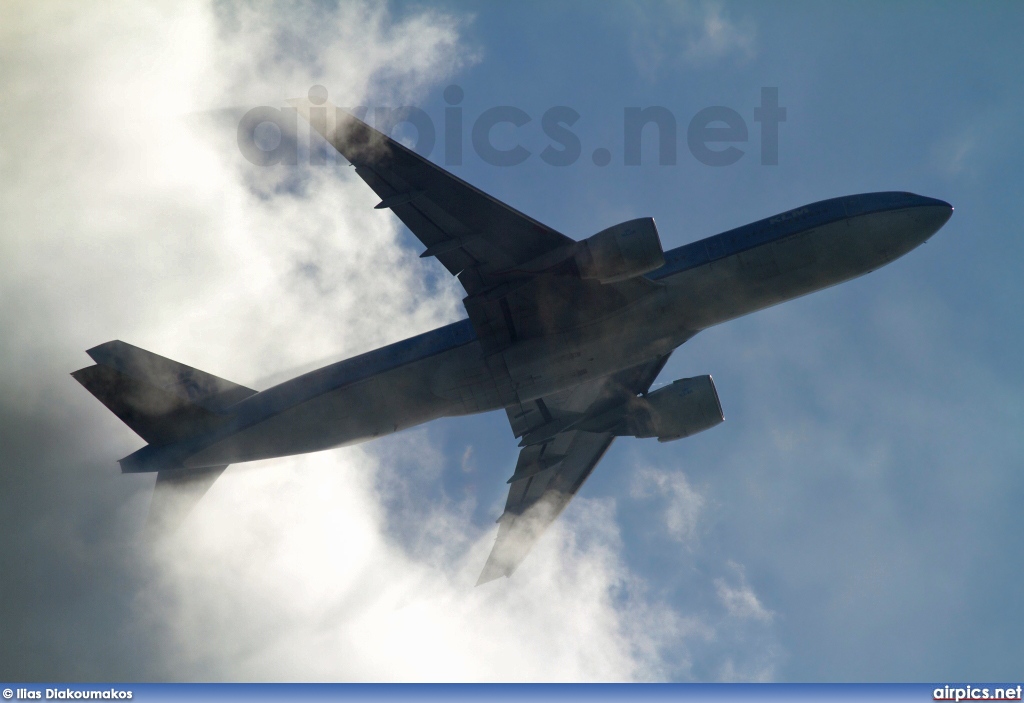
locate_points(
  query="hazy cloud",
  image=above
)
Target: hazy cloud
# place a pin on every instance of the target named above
(872, 438)
(683, 504)
(309, 586)
(130, 222)
(739, 598)
(673, 35)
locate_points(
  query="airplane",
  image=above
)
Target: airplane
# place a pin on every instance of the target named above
(567, 337)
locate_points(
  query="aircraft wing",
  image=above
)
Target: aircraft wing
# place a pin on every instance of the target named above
(478, 238)
(556, 458)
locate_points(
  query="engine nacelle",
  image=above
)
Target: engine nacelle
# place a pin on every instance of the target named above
(688, 406)
(626, 250)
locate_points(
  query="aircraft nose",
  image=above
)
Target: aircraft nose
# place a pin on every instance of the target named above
(930, 215)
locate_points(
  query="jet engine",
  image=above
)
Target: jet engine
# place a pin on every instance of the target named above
(626, 250)
(684, 408)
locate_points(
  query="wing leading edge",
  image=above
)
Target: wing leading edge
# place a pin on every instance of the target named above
(476, 237)
(556, 459)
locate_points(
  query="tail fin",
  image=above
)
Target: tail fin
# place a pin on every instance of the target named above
(163, 402)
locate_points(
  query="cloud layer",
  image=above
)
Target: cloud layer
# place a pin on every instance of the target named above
(132, 218)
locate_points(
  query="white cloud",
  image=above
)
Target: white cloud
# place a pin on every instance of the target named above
(683, 504)
(132, 223)
(286, 572)
(467, 463)
(736, 640)
(739, 598)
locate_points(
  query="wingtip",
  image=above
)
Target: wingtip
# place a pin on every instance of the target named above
(490, 573)
(300, 105)
(102, 350)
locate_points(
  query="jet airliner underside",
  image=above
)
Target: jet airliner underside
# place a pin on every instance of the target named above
(566, 336)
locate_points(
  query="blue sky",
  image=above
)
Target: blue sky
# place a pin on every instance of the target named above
(855, 518)
(867, 475)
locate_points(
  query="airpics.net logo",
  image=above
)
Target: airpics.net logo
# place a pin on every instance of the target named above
(977, 693)
(714, 136)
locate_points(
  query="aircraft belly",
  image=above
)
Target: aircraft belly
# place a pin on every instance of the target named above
(463, 380)
(794, 266)
(373, 407)
(634, 335)
(469, 382)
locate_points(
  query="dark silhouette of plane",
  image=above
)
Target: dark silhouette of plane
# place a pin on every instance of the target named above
(565, 336)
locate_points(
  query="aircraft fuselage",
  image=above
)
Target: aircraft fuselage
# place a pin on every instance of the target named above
(445, 372)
